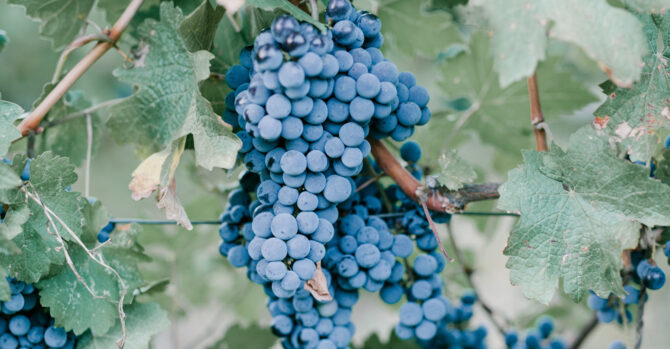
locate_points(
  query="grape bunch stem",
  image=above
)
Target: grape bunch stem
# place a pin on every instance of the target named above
(437, 201)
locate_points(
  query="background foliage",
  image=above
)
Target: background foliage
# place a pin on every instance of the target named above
(475, 71)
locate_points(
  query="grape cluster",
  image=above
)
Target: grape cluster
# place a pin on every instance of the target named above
(304, 101)
(608, 309)
(536, 338)
(303, 104)
(25, 324)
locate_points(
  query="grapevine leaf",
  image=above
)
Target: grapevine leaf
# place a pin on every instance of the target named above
(198, 29)
(72, 305)
(5, 292)
(254, 20)
(156, 173)
(37, 254)
(168, 104)
(405, 21)
(9, 112)
(227, 45)
(70, 138)
(652, 6)
(15, 217)
(607, 34)
(500, 115)
(143, 321)
(633, 116)
(252, 336)
(454, 171)
(50, 176)
(61, 19)
(8, 178)
(113, 8)
(215, 90)
(579, 210)
(96, 217)
(663, 168)
(288, 7)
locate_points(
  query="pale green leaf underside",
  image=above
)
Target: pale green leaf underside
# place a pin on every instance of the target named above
(168, 104)
(579, 210)
(143, 321)
(607, 34)
(637, 114)
(50, 175)
(61, 19)
(454, 171)
(9, 112)
(409, 29)
(73, 306)
(8, 178)
(653, 6)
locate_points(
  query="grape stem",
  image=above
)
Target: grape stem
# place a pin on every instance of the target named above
(437, 201)
(536, 117)
(641, 301)
(468, 271)
(33, 120)
(585, 332)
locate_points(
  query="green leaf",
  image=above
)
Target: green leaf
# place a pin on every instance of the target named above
(37, 253)
(607, 34)
(227, 46)
(579, 210)
(254, 20)
(9, 112)
(144, 320)
(61, 19)
(454, 171)
(651, 6)
(113, 8)
(663, 168)
(5, 292)
(70, 138)
(15, 217)
(198, 29)
(634, 116)
(50, 175)
(407, 26)
(168, 104)
(500, 116)
(72, 305)
(252, 336)
(96, 217)
(8, 178)
(288, 7)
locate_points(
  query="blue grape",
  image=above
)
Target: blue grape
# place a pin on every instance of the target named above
(368, 86)
(282, 27)
(55, 337)
(410, 152)
(274, 249)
